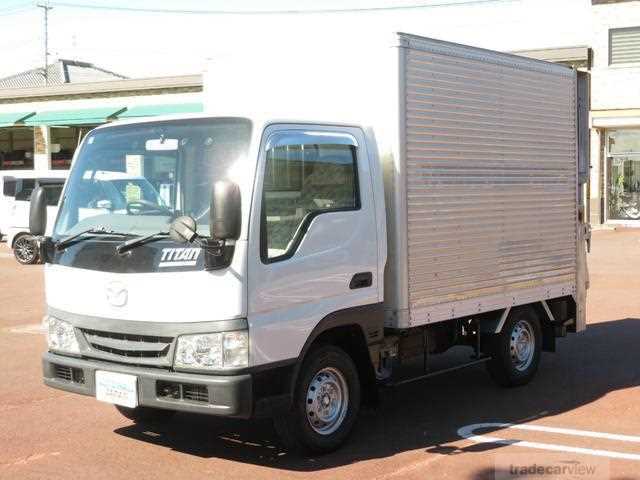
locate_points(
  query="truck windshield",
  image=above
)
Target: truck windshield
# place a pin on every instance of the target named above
(135, 179)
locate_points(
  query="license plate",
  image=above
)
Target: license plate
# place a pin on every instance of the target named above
(117, 388)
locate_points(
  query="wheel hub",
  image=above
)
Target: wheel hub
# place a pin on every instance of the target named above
(24, 249)
(522, 345)
(327, 401)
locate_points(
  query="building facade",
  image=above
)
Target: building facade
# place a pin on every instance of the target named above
(615, 113)
(612, 59)
(40, 127)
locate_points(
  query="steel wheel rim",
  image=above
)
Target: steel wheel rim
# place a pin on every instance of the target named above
(327, 401)
(24, 249)
(522, 345)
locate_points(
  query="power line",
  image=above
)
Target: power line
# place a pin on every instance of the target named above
(17, 8)
(279, 12)
(9, 5)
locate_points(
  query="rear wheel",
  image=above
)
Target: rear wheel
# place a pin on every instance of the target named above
(325, 405)
(146, 414)
(515, 351)
(25, 249)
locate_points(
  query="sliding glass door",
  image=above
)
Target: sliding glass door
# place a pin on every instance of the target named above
(623, 174)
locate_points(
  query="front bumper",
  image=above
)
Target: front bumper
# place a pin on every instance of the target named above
(229, 396)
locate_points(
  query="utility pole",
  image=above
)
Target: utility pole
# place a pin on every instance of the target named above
(45, 8)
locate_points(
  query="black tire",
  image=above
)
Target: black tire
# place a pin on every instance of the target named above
(295, 428)
(510, 366)
(146, 415)
(25, 249)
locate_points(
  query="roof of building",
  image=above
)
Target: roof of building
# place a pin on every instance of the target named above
(59, 73)
(117, 87)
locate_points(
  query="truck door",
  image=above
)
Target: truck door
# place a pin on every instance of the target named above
(313, 244)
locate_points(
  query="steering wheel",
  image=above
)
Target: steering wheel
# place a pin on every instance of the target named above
(139, 206)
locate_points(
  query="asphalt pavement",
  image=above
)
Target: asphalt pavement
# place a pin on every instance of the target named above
(582, 409)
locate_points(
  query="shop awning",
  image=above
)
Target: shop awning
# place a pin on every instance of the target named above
(164, 109)
(575, 55)
(84, 116)
(11, 118)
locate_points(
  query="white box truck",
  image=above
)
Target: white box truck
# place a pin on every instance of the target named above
(333, 219)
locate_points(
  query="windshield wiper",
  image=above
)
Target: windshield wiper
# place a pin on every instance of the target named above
(136, 242)
(65, 242)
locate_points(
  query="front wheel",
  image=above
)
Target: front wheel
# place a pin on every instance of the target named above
(515, 351)
(325, 405)
(25, 249)
(145, 415)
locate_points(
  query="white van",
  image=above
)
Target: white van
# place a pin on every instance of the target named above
(10, 182)
(14, 181)
(17, 224)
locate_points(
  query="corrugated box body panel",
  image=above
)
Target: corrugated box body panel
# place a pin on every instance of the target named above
(490, 159)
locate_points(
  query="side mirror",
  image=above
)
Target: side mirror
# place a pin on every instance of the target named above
(38, 212)
(183, 230)
(225, 213)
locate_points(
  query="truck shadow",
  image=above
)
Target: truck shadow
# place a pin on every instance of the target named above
(426, 415)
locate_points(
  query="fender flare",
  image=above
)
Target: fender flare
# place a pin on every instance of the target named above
(368, 318)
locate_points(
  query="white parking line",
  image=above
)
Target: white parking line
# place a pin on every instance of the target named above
(31, 328)
(468, 432)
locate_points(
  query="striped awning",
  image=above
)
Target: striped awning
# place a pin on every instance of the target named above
(82, 116)
(161, 109)
(9, 119)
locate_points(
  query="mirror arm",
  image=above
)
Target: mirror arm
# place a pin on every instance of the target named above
(217, 253)
(213, 246)
(43, 243)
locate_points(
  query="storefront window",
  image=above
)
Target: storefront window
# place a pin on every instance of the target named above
(623, 174)
(64, 141)
(16, 148)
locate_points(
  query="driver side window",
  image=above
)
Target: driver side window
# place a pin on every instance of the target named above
(303, 179)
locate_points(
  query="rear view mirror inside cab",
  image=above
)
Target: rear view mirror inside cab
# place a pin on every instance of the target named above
(161, 144)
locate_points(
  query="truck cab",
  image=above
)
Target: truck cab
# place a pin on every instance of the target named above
(308, 257)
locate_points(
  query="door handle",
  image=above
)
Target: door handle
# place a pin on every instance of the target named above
(361, 280)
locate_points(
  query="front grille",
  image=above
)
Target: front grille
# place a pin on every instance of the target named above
(68, 374)
(128, 337)
(131, 353)
(129, 345)
(182, 391)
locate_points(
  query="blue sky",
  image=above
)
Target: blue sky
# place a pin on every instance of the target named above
(152, 44)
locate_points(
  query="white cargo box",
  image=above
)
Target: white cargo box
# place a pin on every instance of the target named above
(479, 153)
(487, 168)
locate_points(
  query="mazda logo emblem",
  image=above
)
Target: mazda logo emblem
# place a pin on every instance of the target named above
(117, 294)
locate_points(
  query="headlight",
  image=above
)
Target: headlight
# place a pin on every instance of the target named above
(214, 351)
(61, 336)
